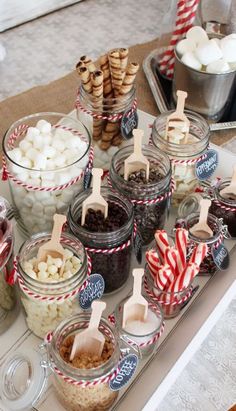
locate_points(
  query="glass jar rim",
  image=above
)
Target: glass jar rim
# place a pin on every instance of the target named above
(109, 100)
(31, 116)
(67, 368)
(211, 217)
(224, 183)
(150, 280)
(58, 284)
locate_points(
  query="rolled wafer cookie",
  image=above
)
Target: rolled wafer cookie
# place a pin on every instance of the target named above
(117, 140)
(111, 130)
(97, 85)
(115, 68)
(107, 84)
(123, 60)
(129, 78)
(78, 66)
(86, 79)
(104, 145)
(88, 63)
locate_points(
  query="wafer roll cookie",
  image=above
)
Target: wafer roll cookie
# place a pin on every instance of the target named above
(88, 63)
(110, 131)
(123, 60)
(130, 75)
(86, 79)
(115, 68)
(117, 140)
(107, 84)
(97, 83)
(104, 145)
(78, 66)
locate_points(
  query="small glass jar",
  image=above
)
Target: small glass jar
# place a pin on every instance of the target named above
(46, 303)
(106, 131)
(148, 341)
(9, 306)
(224, 208)
(38, 194)
(77, 389)
(183, 156)
(110, 252)
(150, 200)
(208, 266)
(170, 303)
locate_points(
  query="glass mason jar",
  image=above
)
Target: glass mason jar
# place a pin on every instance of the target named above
(208, 266)
(112, 263)
(77, 389)
(106, 132)
(38, 194)
(146, 341)
(183, 156)
(150, 200)
(9, 306)
(224, 208)
(170, 302)
(46, 303)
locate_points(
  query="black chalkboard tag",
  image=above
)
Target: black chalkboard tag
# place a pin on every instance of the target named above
(87, 178)
(220, 256)
(138, 242)
(129, 121)
(93, 291)
(207, 166)
(127, 367)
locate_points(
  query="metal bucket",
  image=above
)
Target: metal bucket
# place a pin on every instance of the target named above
(208, 94)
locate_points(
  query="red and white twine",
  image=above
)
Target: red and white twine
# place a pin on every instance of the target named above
(7, 175)
(224, 207)
(191, 161)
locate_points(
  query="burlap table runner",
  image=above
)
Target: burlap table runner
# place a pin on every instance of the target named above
(59, 96)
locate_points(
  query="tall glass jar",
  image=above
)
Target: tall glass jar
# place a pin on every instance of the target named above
(103, 120)
(208, 265)
(46, 303)
(183, 156)
(151, 200)
(44, 166)
(110, 252)
(9, 306)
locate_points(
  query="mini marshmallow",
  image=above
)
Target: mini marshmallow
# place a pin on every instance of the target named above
(38, 142)
(197, 34)
(59, 145)
(32, 132)
(44, 126)
(228, 47)
(185, 45)
(50, 164)
(25, 162)
(208, 52)
(60, 161)
(15, 154)
(49, 152)
(219, 66)
(50, 210)
(40, 161)
(25, 145)
(31, 153)
(190, 60)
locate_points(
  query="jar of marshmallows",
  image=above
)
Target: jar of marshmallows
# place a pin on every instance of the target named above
(45, 157)
(185, 155)
(49, 289)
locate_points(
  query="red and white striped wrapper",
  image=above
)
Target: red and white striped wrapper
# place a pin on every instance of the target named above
(199, 253)
(181, 239)
(164, 277)
(161, 238)
(171, 256)
(186, 11)
(183, 280)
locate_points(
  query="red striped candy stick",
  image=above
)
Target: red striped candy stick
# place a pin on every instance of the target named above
(162, 243)
(164, 277)
(181, 239)
(153, 262)
(199, 253)
(171, 255)
(184, 280)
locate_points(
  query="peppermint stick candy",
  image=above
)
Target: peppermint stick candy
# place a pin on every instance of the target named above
(153, 262)
(171, 256)
(184, 280)
(164, 277)
(181, 239)
(161, 238)
(199, 253)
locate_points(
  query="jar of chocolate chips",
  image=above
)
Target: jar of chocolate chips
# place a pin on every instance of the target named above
(107, 240)
(151, 199)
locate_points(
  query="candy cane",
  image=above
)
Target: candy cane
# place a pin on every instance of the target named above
(199, 253)
(171, 256)
(162, 243)
(183, 280)
(181, 238)
(164, 277)
(153, 262)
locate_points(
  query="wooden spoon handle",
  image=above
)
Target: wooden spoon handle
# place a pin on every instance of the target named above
(59, 220)
(233, 180)
(97, 308)
(138, 135)
(182, 95)
(204, 207)
(137, 287)
(97, 176)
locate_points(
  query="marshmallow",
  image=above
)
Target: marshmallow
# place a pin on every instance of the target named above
(228, 47)
(25, 145)
(32, 132)
(208, 52)
(44, 126)
(184, 46)
(15, 154)
(190, 60)
(197, 35)
(219, 66)
(40, 161)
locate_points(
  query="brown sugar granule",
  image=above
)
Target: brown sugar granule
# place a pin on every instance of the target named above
(85, 360)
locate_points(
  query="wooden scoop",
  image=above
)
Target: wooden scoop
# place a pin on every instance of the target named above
(91, 340)
(177, 125)
(137, 160)
(53, 246)
(230, 191)
(202, 229)
(95, 200)
(136, 308)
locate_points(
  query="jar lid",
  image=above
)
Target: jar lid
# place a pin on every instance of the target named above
(189, 205)
(23, 379)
